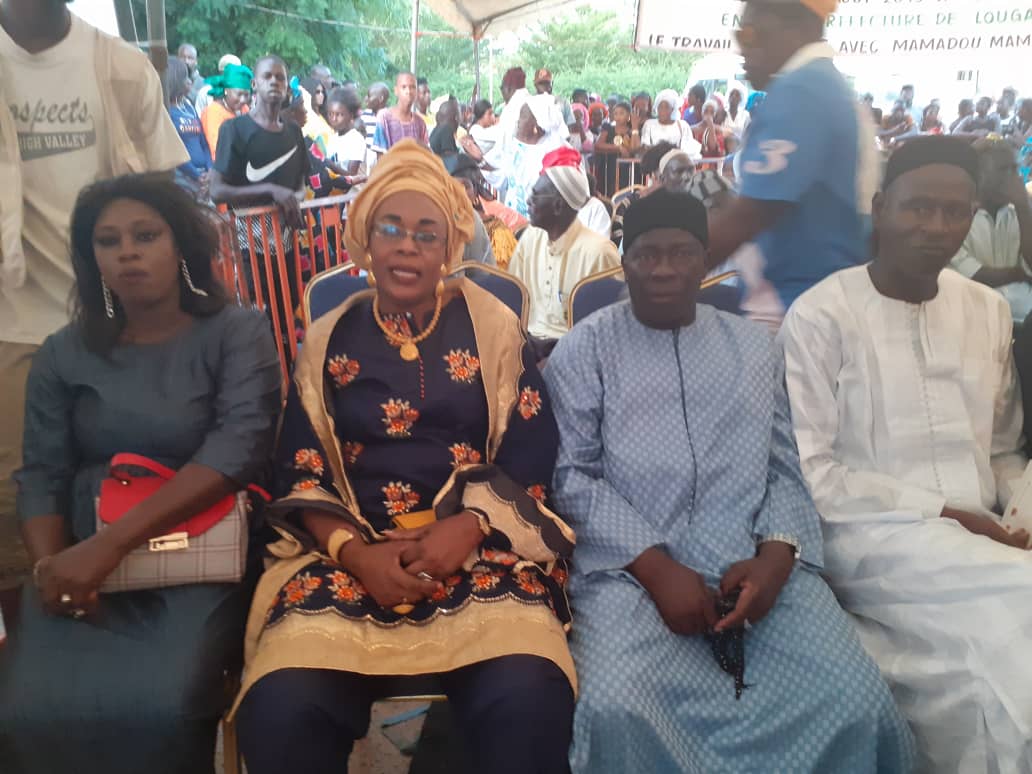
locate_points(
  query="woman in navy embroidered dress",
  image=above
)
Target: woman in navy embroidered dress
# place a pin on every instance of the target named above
(412, 468)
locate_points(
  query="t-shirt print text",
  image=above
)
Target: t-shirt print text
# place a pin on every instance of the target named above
(52, 128)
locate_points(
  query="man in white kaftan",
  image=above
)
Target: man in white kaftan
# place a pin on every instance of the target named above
(998, 248)
(908, 421)
(557, 251)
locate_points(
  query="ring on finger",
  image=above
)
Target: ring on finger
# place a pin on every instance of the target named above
(424, 575)
(66, 599)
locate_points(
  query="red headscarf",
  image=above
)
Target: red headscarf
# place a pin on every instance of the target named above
(563, 167)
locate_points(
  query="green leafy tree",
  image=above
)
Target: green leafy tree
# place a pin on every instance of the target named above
(447, 62)
(591, 50)
(588, 49)
(219, 27)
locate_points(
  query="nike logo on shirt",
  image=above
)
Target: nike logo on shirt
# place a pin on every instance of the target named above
(259, 174)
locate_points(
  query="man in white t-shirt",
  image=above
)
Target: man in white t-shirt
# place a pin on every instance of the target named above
(76, 106)
(998, 248)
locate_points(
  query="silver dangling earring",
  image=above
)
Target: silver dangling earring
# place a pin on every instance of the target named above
(109, 307)
(189, 282)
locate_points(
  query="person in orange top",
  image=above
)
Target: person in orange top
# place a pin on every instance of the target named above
(231, 90)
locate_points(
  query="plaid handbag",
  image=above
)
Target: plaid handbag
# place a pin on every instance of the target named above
(210, 547)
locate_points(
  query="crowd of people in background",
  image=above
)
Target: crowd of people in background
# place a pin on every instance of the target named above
(707, 125)
(662, 537)
(1006, 117)
(621, 142)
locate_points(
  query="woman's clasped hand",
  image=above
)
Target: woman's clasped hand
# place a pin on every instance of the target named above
(412, 564)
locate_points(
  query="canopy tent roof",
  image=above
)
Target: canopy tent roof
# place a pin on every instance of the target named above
(477, 17)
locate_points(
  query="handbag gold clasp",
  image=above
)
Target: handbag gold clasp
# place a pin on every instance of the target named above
(175, 541)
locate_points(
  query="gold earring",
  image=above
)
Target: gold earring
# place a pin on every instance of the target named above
(440, 283)
(370, 278)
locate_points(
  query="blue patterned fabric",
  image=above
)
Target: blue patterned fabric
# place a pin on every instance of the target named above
(682, 439)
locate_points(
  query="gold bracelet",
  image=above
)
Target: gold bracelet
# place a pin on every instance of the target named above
(338, 539)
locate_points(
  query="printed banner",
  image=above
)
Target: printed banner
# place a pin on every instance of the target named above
(859, 27)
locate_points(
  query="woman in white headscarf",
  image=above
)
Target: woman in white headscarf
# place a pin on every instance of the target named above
(538, 131)
(709, 134)
(737, 116)
(668, 127)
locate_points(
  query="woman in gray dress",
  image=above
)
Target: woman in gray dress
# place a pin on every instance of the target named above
(157, 363)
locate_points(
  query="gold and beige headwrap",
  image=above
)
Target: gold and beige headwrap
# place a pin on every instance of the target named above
(408, 166)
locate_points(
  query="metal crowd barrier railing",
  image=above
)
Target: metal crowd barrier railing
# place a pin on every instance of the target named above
(266, 265)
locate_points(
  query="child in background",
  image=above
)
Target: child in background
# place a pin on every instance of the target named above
(347, 146)
(326, 177)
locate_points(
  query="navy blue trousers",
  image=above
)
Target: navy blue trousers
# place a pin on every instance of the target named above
(515, 714)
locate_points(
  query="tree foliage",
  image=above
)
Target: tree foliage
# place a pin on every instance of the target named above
(218, 27)
(592, 50)
(588, 49)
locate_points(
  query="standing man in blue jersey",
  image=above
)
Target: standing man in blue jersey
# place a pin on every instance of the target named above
(808, 167)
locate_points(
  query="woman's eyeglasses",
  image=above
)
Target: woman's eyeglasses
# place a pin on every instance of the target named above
(395, 233)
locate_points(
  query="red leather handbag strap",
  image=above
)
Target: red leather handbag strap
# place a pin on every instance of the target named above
(255, 489)
(139, 461)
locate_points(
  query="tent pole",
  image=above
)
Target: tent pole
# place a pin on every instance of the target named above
(490, 73)
(158, 45)
(476, 67)
(415, 36)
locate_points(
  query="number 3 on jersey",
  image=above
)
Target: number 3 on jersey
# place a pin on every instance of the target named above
(775, 153)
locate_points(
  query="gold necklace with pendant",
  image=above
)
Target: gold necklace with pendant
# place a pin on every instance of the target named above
(406, 344)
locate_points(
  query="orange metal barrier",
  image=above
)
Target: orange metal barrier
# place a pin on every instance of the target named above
(266, 266)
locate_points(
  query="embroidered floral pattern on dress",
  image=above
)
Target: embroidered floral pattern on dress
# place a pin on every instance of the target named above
(346, 588)
(447, 588)
(464, 454)
(351, 450)
(559, 575)
(529, 582)
(300, 588)
(343, 370)
(537, 491)
(397, 325)
(484, 579)
(323, 586)
(310, 461)
(399, 498)
(530, 403)
(462, 366)
(495, 556)
(399, 416)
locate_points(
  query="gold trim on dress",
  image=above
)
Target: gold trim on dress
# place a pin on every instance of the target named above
(478, 631)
